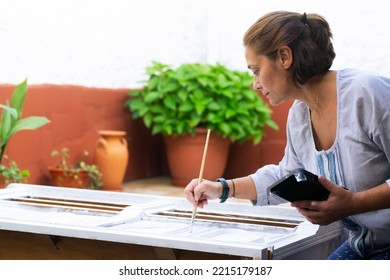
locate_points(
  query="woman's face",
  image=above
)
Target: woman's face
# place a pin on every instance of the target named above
(270, 78)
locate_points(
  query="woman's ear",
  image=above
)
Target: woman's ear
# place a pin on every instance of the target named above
(285, 57)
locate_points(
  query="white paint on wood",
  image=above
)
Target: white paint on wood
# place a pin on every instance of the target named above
(144, 221)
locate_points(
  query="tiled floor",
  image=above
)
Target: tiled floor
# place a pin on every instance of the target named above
(154, 186)
(160, 186)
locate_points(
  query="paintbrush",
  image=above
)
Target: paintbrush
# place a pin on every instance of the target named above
(200, 177)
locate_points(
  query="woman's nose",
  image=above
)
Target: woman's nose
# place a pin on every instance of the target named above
(256, 85)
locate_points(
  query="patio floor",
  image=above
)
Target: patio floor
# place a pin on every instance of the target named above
(154, 186)
(160, 186)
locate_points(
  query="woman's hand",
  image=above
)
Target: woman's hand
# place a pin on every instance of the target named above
(338, 205)
(202, 192)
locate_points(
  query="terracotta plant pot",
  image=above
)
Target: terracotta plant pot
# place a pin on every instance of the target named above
(112, 158)
(185, 153)
(59, 179)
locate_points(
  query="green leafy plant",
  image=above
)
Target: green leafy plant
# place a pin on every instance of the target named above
(177, 101)
(12, 174)
(12, 122)
(71, 170)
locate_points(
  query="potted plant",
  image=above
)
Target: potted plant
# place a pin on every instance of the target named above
(77, 174)
(11, 122)
(178, 101)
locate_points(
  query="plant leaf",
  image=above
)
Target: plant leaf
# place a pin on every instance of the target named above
(19, 96)
(6, 123)
(10, 110)
(29, 123)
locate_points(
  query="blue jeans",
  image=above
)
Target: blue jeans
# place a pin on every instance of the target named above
(344, 252)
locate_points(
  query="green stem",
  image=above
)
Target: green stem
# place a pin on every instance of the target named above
(2, 152)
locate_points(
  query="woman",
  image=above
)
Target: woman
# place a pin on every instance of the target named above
(338, 127)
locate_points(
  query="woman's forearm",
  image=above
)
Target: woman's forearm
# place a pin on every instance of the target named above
(372, 199)
(243, 188)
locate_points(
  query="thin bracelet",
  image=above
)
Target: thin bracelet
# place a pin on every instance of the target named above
(234, 188)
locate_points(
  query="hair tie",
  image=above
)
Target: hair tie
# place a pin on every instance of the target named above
(304, 20)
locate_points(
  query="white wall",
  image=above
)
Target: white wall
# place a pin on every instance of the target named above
(108, 43)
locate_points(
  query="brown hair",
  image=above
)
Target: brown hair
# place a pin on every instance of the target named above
(309, 37)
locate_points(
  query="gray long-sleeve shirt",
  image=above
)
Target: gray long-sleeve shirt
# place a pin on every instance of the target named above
(359, 159)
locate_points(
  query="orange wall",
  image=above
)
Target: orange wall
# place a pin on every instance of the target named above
(77, 113)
